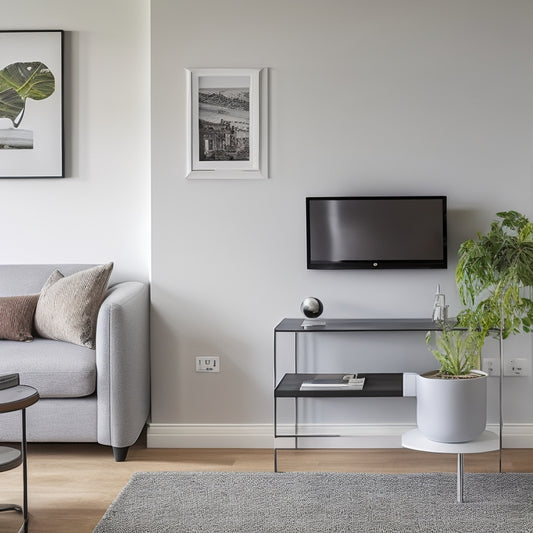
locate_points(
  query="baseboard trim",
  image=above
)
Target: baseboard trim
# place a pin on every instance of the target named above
(261, 436)
(210, 436)
(516, 435)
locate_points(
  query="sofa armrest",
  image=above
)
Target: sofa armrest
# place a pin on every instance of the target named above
(123, 364)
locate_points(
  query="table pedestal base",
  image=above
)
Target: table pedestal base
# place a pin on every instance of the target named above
(460, 471)
(486, 442)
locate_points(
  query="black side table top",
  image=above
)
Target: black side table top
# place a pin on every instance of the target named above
(18, 397)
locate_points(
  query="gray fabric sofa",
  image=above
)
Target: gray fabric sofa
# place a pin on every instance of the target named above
(100, 395)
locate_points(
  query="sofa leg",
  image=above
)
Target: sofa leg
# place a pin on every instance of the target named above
(120, 453)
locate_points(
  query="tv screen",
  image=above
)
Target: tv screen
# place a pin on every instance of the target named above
(373, 232)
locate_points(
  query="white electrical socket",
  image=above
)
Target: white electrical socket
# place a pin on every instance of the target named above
(519, 366)
(208, 363)
(491, 366)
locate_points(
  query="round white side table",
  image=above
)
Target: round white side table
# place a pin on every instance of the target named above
(486, 442)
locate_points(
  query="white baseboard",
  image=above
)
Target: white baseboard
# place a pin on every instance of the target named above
(516, 435)
(261, 436)
(210, 436)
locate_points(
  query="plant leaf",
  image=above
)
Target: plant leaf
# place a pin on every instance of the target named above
(31, 80)
(11, 104)
(490, 273)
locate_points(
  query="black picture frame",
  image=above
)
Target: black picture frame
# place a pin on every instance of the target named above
(32, 104)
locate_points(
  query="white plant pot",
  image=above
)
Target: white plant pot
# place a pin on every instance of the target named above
(451, 410)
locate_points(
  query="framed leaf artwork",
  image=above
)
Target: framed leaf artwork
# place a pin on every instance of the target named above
(31, 104)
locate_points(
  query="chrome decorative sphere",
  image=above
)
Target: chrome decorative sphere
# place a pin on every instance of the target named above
(312, 307)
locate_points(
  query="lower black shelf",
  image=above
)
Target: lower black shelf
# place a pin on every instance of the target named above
(375, 385)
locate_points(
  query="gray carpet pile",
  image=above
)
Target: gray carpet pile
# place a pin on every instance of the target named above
(224, 502)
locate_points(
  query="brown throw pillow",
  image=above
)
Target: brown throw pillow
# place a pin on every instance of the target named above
(68, 306)
(16, 317)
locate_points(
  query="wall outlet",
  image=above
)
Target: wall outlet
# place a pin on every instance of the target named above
(491, 366)
(517, 367)
(208, 363)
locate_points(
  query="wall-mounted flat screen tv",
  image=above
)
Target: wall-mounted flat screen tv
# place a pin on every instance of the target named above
(375, 232)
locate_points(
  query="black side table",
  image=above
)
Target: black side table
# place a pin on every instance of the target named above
(17, 399)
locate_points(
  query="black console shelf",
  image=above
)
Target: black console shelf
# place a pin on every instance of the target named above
(376, 385)
(287, 384)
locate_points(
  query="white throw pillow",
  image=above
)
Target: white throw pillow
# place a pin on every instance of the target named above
(68, 306)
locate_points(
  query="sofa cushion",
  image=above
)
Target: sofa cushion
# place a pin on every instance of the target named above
(56, 369)
(16, 317)
(67, 308)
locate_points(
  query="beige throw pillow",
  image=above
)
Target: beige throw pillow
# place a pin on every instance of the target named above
(16, 317)
(68, 306)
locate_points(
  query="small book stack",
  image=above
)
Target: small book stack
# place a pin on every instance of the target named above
(9, 380)
(334, 382)
(313, 323)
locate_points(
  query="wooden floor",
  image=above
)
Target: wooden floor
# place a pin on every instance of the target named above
(71, 485)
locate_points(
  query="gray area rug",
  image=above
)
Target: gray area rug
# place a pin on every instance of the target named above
(223, 502)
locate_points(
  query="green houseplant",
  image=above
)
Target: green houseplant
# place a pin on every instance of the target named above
(492, 275)
(458, 351)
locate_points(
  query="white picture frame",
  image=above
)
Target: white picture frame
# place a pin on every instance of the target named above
(227, 123)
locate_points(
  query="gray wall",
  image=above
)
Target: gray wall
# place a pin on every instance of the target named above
(366, 97)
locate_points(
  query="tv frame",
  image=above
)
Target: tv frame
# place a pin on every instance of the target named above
(362, 264)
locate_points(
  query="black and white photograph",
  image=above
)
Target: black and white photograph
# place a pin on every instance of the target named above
(224, 119)
(227, 126)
